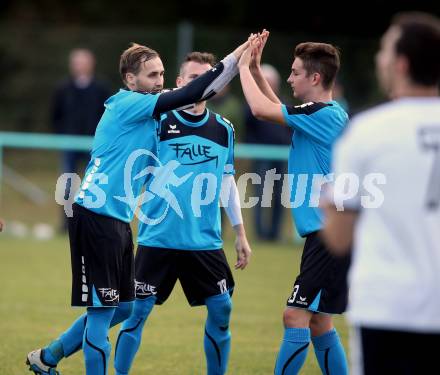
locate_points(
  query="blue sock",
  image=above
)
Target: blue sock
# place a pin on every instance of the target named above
(53, 353)
(130, 335)
(330, 353)
(96, 346)
(217, 340)
(293, 351)
(71, 340)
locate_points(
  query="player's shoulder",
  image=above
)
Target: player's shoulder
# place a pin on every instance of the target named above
(308, 108)
(379, 115)
(169, 116)
(124, 93)
(222, 120)
(367, 125)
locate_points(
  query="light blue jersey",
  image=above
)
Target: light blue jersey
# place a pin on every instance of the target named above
(316, 127)
(125, 142)
(182, 207)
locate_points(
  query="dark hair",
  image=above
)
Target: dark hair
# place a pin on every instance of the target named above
(419, 42)
(198, 57)
(132, 58)
(320, 58)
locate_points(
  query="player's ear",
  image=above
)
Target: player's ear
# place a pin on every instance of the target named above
(316, 79)
(402, 65)
(130, 78)
(179, 81)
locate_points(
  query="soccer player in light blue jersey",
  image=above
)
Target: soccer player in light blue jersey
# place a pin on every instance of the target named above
(99, 231)
(180, 230)
(320, 289)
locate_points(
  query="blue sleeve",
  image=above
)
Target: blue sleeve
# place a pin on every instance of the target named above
(314, 120)
(136, 107)
(229, 167)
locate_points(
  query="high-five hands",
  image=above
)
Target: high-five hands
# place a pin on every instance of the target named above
(253, 51)
(242, 47)
(258, 51)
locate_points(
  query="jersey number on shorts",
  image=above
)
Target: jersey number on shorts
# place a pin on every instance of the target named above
(294, 293)
(222, 285)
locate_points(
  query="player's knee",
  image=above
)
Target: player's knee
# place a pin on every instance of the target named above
(123, 312)
(320, 324)
(296, 318)
(143, 307)
(219, 309)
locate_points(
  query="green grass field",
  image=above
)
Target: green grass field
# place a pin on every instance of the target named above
(35, 308)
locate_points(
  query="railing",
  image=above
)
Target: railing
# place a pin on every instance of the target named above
(84, 143)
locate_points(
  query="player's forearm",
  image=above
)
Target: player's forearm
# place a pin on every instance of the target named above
(260, 105)
(264, 85)
(231, 202)
(200, 89)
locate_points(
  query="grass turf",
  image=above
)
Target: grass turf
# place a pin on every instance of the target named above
(35, 308)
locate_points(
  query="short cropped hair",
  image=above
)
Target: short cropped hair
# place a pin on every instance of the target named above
(132, 58)
(419, 42)
(320, 58)
(198, 57)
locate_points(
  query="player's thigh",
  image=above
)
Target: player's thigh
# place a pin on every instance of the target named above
(155, 272)
(127, 275)
(204, 274)
(321, 285)
(97, 250)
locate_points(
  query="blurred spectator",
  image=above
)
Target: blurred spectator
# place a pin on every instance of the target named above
(268, 220)
(78, 104)
(2, 224)
(226, 103)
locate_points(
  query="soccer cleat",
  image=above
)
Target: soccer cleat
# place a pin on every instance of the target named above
(36, 364)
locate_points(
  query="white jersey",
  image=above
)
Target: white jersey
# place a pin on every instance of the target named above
(395, 275)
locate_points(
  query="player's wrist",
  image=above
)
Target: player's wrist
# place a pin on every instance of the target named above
(240, 231)
(255, 66)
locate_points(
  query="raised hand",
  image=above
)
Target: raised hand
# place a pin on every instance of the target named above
(242, 47)
(246, 57)
(258, 51)
(243, 252)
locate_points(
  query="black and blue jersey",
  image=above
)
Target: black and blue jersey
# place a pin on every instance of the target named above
(125, 140)
(194, 151)
(316, 126)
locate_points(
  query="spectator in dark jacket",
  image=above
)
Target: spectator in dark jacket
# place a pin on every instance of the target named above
(78, 104)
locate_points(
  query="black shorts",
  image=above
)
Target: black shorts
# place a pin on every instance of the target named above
(101, 250)
(202, 273)
(387, 352)
(321, 285)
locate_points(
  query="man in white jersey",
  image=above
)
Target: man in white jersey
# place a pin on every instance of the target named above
(392, 222)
